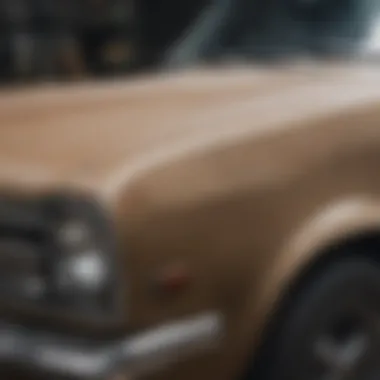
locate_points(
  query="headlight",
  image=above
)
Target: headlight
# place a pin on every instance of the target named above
(84, 269)
(84, 265)
(85, 273)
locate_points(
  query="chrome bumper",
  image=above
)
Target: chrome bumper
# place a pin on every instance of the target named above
(69, 358)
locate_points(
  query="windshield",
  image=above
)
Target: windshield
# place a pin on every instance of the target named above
(247, 29)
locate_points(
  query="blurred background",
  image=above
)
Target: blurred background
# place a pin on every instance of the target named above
(73, 39)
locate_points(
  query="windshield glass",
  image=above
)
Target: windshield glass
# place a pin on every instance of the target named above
(246, 29)
(372, 40)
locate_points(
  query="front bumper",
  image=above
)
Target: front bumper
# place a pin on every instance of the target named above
(53, 355)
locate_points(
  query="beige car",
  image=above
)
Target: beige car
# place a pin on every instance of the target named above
(199, 225)
(216, 223)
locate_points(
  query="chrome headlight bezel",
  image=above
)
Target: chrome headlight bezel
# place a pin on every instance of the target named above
(82, 235)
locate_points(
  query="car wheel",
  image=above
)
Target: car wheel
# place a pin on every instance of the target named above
(331, 330)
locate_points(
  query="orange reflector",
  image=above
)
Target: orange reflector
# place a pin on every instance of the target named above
(174, 278)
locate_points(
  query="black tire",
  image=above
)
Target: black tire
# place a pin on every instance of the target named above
(331, 329)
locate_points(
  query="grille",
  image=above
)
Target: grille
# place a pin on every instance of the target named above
(23, 237)
(21, 269)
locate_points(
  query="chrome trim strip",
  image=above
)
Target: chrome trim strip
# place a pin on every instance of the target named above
(159, 347)
(143, 353)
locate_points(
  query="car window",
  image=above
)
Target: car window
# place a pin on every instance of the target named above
(249, 29)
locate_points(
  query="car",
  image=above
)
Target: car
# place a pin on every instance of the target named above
(161, 224)
(215, 222)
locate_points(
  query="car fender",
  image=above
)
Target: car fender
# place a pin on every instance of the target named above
(334, 223)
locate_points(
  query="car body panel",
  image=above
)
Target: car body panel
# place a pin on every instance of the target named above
(239, 176)
(68, 121)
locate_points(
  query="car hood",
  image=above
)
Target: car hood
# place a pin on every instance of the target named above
(101, 135)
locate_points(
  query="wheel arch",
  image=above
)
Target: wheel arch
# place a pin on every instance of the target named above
(343, 228)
